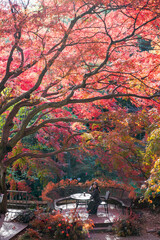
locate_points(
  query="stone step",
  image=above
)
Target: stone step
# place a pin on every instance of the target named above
(101, 229)
(102, 224)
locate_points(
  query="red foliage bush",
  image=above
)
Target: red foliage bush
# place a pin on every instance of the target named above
(74, 186)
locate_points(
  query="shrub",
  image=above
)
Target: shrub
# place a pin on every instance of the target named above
(127, 227)
(73, 228)
(30, 234)
(25, 217)
(56, 226)
(41, 221)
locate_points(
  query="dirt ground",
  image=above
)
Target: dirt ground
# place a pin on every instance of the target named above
(150, 222)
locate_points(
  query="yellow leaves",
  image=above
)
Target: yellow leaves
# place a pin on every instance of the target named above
(153, 147)
(158, 190)
(153, 183)
(100, 138)
(87, 136)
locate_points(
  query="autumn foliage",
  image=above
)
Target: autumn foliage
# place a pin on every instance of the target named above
(56, 226)
(65, 63)
(66, 184)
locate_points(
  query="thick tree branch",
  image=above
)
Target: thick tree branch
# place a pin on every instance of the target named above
(37, 155)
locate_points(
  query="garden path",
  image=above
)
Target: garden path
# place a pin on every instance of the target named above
(9, 229)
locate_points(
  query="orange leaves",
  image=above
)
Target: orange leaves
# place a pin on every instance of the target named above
(120, 142)
(103, 184)
(46, 190)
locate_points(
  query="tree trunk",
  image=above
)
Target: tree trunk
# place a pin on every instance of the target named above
(3, 189)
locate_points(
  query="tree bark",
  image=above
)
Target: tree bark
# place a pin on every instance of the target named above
(3, 189)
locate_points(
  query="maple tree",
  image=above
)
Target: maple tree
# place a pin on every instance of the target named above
(64, 62)
(130, 143)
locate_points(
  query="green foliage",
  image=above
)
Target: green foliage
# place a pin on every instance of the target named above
(153, 146)
(152, 160)
(80, 170)
(152, 185)
(33, 177)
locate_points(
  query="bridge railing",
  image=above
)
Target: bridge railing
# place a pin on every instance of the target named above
(17, 198)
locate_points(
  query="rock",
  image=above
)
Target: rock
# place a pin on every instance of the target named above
(151, 230)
